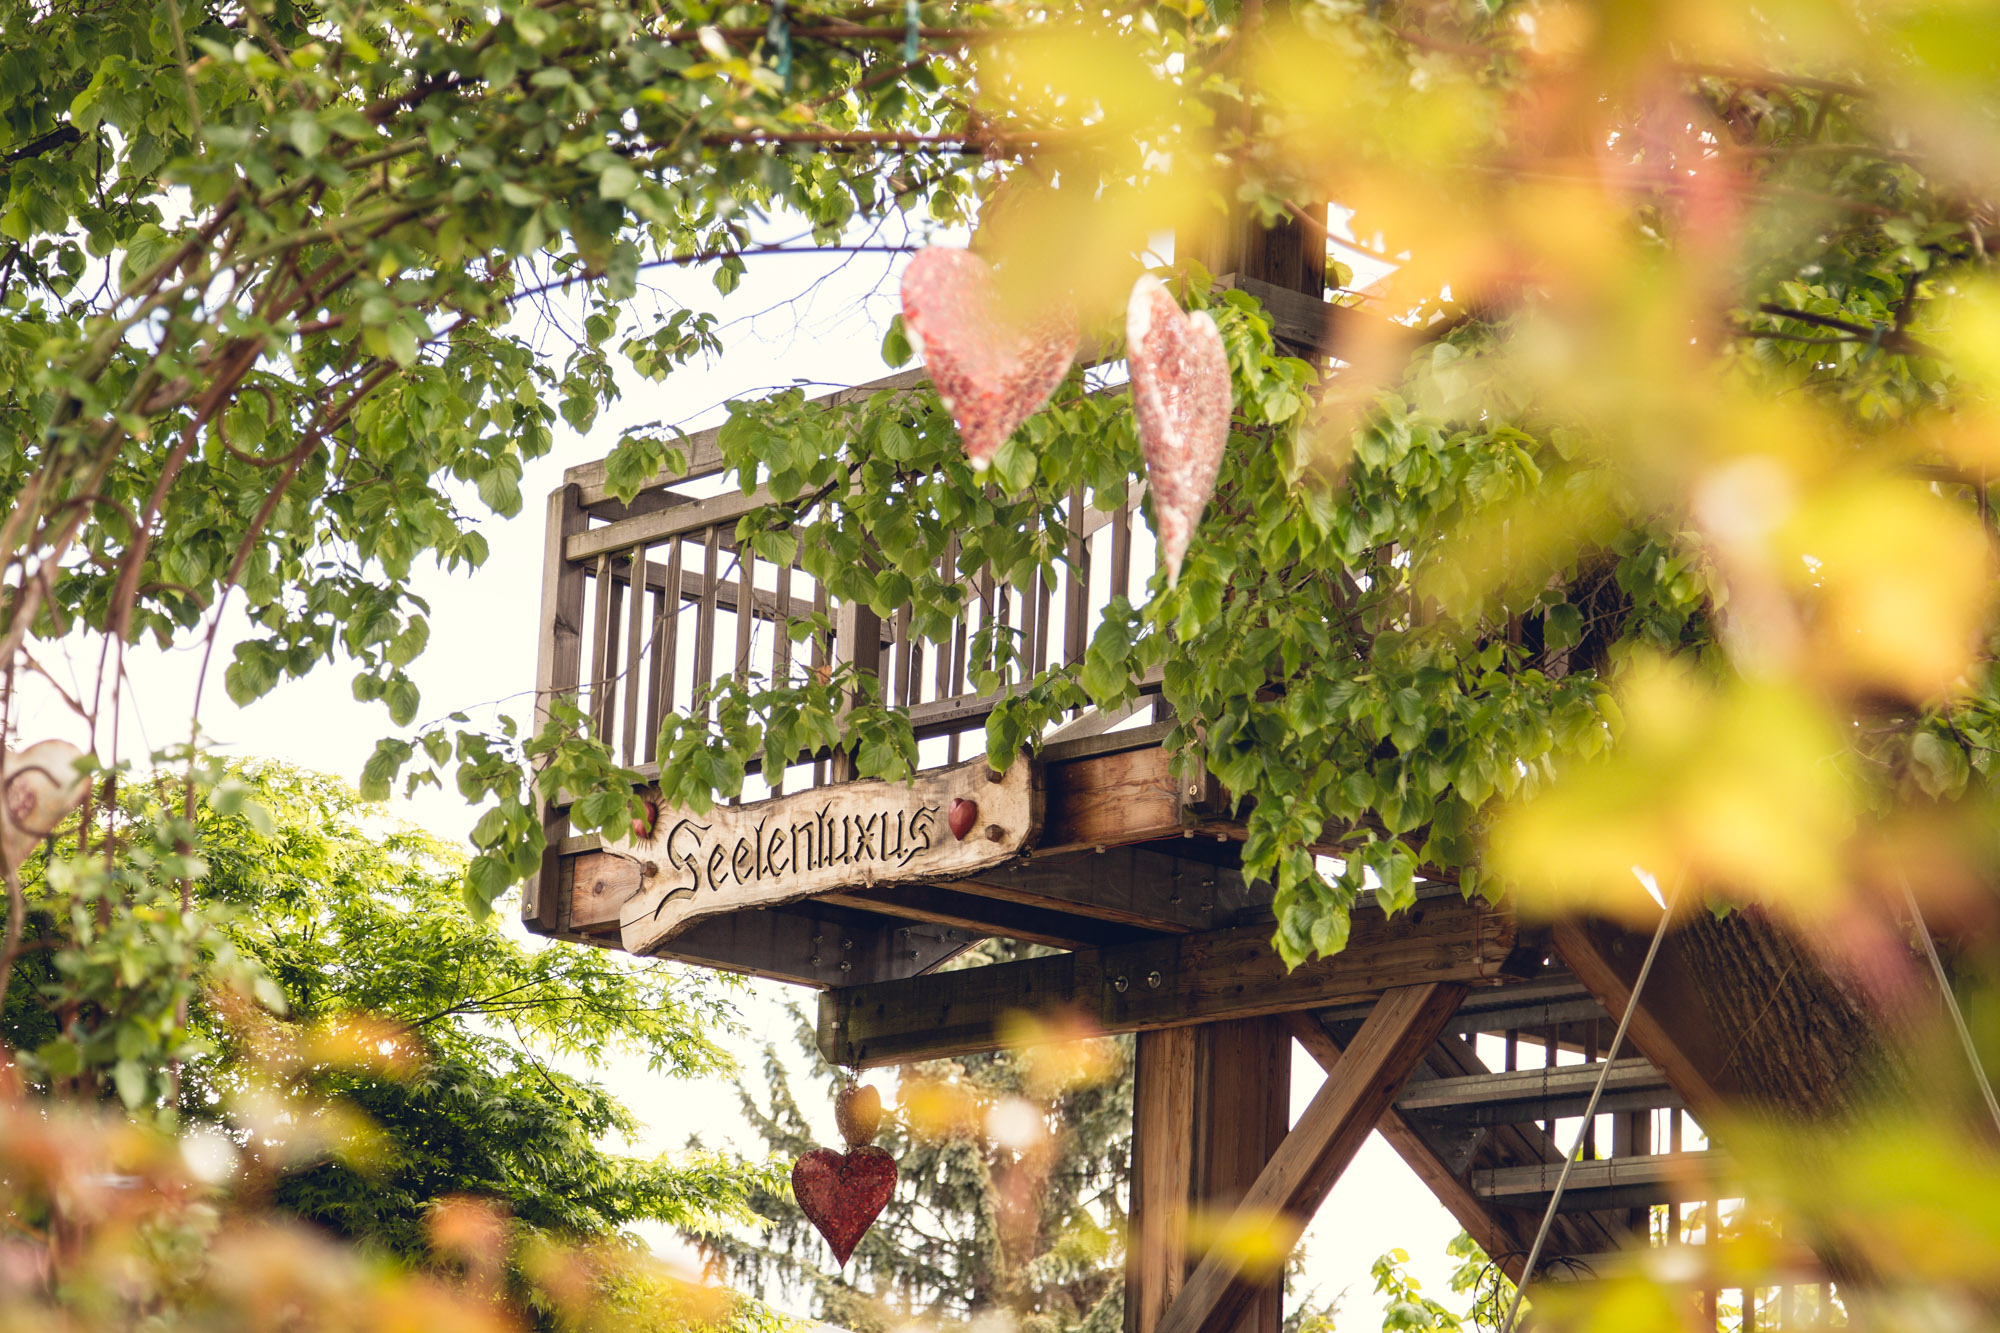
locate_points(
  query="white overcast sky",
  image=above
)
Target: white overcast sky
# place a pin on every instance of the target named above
(482, 653)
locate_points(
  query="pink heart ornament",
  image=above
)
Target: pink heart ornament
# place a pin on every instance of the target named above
(991, 375)
(1182, 397)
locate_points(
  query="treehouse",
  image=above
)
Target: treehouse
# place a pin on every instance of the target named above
(1463, 1036)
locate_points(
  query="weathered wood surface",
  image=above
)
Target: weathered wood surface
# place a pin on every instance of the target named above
(856, 835)
(1242, 1109)
(558, 668)
(1503, 1232)
(949, 906)
(1164, 982)
(1157, 887)
(1305, 1166)
(1163, 1095)
(807, 944)
(1111, 799)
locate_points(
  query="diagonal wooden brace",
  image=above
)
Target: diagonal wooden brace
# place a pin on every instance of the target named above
(1297, 1179)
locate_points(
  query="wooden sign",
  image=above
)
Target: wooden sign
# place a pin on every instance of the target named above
(940, 825)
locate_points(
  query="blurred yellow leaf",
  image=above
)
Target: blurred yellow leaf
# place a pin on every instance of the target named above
(1260, 1240)
(1739, 789)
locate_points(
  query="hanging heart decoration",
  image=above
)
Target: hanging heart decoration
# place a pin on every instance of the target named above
(1181, 395)
(990, 373)
(842, 1194)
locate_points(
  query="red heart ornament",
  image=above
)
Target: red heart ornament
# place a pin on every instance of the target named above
(843, 1193)
(961, 814)
(1182, 398)
(990, 374)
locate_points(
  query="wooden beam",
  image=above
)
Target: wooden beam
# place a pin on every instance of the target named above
(1165, 982)
(1111, 799)
(1606, 958)
(1303, 1170)
(945, 905)
(1135, 886)
(1163, 1092)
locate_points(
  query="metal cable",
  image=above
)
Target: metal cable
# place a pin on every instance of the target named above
(1589, 1114)
(1951, 1004)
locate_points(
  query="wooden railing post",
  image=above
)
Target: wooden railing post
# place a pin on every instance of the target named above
(558, 668)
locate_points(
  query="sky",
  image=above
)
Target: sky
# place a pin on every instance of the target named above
(816, 320)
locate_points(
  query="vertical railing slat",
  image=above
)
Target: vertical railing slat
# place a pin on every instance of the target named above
(704, 625)
(656, 666)
(1076, 590)
(746, 607)
(821, 661)
(781, 644)
(635, 643)
(602, 629)
(898, 690)
(1121, 548)
(670, 637)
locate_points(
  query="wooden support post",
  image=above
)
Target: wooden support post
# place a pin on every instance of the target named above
(1242, 1106)
(1162, 1173)
(558, 666)
(1306, 1164)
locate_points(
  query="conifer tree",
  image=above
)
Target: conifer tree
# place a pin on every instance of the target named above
(1011, 1198)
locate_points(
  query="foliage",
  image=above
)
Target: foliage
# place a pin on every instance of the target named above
(1009, 1201)
(1645, 521)
(401, 1089)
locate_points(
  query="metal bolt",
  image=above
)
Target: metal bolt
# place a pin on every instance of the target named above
(1153, 980)
(1100, 849)
(1173, 899)
(847, 944)
(846, 966)
(818, 938)
(813, 961)
(1194, 793)
(1208, 907)
(1121, 985)
(994, 833)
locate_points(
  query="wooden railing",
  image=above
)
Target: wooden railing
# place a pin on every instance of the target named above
(647, 604)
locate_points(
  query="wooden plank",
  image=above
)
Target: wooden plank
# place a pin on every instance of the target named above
(703, 670)
(1163, 1073)
(636, 623)
(1305, 1166)
(652, 529)
(1548, 1092)
(948, 906)
(1660, 1176)
(1165, 982)
(558, 668)
(1137, 886)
